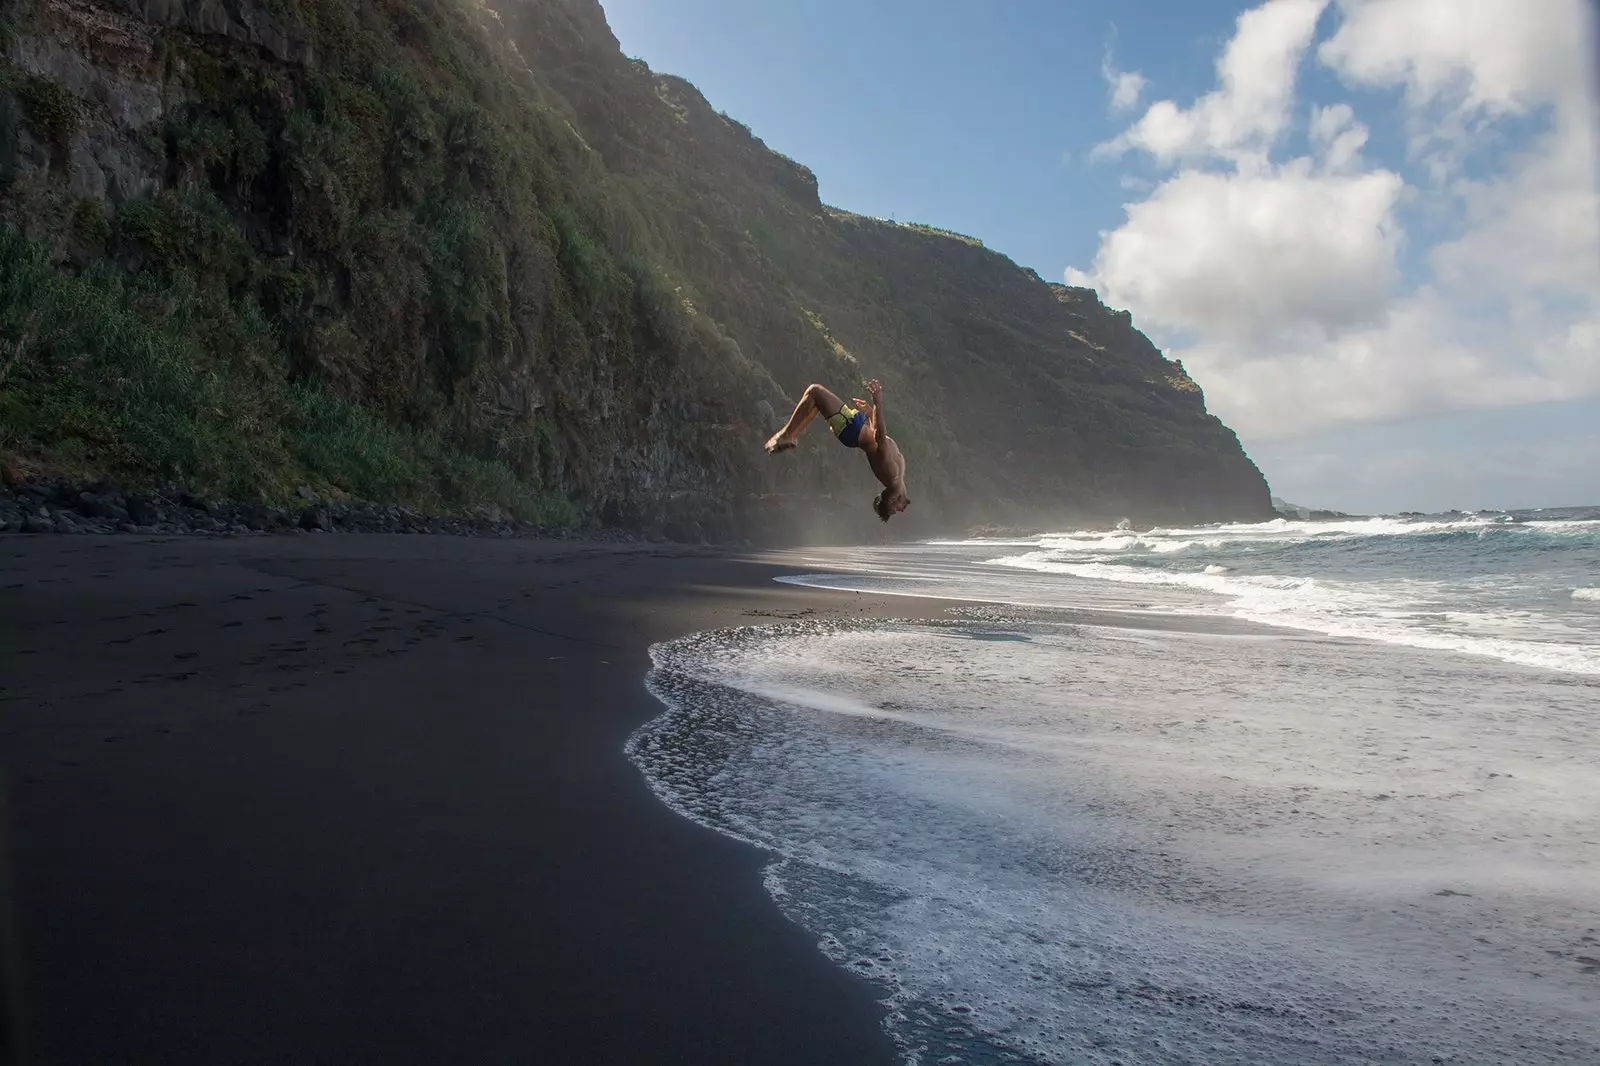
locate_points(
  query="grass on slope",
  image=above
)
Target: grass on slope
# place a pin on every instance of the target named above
(171, 383)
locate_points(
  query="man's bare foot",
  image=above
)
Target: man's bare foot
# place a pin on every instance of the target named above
(779, 443)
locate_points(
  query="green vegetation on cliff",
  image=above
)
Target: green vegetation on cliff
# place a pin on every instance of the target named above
(122, 375)
(449, 252)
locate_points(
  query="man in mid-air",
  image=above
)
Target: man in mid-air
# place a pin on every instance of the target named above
(861, 427)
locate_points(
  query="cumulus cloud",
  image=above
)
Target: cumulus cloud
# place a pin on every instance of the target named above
(1250, 108)
(1496, 55)
(1255, 258)
(1465, 64)
(1279, 281)
(1127, 87)
(1337, 138)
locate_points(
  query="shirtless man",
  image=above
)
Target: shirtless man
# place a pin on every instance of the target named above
(861, 427)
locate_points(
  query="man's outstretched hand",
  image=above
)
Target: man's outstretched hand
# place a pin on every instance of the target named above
(875, 389)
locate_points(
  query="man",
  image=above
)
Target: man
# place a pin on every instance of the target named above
(861, 427)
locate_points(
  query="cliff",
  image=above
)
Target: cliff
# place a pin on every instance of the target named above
(452, 252)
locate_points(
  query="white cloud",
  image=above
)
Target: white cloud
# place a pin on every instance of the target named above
(1501, 56)
(1255, 258)
(1127, 87)
(1278, 282)
(1420, 358)
(1250, 108)
(1337, 138)
(1465, 63)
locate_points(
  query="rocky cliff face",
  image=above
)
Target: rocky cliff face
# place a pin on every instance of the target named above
(449, 250)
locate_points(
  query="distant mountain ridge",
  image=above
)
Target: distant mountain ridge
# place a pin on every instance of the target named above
(448, 252)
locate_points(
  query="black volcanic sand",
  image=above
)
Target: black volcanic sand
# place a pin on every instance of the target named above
(352, 799)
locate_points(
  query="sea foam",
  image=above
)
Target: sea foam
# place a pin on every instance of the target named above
(1054, 843)
(1368, 613)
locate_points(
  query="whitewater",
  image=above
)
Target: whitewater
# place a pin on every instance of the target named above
(1280, 793)
(1518, 586)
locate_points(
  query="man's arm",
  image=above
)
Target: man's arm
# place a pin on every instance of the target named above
(875, 390)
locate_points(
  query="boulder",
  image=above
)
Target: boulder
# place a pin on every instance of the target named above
(316, 518)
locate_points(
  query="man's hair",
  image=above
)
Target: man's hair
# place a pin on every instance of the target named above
(880, 504)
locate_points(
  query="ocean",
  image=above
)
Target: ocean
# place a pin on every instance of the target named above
(1294, 792)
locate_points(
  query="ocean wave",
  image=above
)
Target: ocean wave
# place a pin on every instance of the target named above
(1567, 526)
(1283, 531)
(1112, 544)
(984, 542)
(1036, 853)
(1586, 594)
(1287, 531)
(1386, 612)
(1091, 542)
(1283, 528)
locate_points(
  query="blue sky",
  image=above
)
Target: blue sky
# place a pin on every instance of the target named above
(941, 113)
(1367, 226)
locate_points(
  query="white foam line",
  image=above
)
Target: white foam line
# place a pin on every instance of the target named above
(831, 583)
(1031, 542)
(1278, 531)
(1261, 599)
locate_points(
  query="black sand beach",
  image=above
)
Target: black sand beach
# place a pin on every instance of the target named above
(363, 799)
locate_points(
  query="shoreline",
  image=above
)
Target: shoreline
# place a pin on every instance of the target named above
(364, 798)
(65, 506)
(1030, 821)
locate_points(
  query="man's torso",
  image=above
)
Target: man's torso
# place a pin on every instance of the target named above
(883, 454)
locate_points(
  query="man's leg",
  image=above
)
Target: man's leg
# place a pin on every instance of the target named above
(816, 401)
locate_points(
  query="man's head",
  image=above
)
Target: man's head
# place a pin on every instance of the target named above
(888, 502)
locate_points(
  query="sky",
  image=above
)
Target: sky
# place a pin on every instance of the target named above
(1369, 228)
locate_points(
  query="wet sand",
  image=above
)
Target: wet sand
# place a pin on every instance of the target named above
(355, 799)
